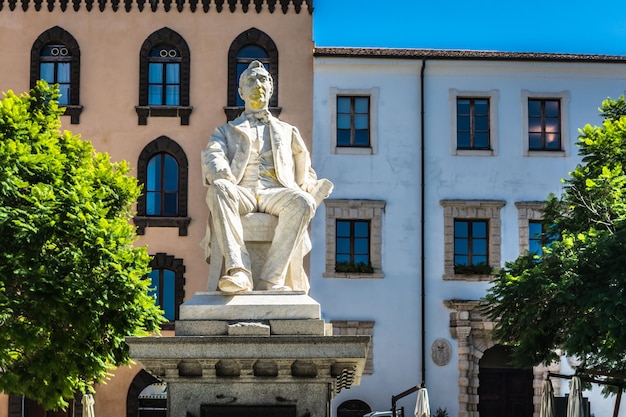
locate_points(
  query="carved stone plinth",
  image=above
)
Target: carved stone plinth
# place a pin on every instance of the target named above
(245, 355)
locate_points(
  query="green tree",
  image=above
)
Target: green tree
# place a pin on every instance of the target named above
(71, 282)
(573, 297)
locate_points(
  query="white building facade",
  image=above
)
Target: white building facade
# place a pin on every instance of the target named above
(441, 160)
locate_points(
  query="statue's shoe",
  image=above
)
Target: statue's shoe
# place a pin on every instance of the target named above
(270, 286)
(237, 282)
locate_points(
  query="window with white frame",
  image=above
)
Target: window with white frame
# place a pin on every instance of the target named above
(472, 239)
(474, 122)
(545, 123)
(353, 121)
(354, 238)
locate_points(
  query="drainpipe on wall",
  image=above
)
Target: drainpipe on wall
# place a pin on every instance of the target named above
(423, 224)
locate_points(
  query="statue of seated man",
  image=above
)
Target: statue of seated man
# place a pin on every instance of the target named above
(257, 163)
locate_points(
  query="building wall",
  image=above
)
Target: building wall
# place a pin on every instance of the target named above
(392, 175)
(110, 42)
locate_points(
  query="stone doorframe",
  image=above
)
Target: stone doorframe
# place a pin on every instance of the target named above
(472, 330)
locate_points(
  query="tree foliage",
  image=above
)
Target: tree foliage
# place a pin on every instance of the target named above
(71, 282)
(572, 298)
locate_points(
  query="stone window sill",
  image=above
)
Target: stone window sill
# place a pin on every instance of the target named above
(182, 223)
(143, 112)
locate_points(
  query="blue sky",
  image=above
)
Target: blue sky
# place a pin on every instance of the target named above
(575, 26)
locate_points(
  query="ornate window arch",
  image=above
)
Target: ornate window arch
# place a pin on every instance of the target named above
(142, 380)
(177, 55)
(162, 169)
(55, 58)
(247, 46)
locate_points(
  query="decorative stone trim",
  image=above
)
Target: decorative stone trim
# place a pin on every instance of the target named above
(471, 209)
(473, 330)
(371, 210)
(526, 211)
(155, 5)
(357, 328)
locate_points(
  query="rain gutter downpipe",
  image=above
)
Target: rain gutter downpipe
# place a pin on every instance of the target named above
(423, 224)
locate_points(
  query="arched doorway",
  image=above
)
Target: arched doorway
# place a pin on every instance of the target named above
(353, 408)
(503, 391)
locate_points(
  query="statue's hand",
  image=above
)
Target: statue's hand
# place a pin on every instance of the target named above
(321, 190)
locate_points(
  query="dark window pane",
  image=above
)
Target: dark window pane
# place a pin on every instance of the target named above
(479, 247)
(482, 124)
(481, 140)
(461, 246)
(362, 137)
(481, 107)
(170, 204)
(361, 104)
(461, 260)
(462, 106)
(153, 203)
(361, 246)
(361, 121)
(46, 72)
(63, 72)
(172, 73)
(64, 90)
(153, 182)
(460, 228)
(155, 73)
(155, 95)
(343, 105)
(361, 229)
(342, 257)
(479, 229)
(477, 260)
(172, 95)
(552, 126)
(361, 259)
(534, 141)
(169, 298)
(553, 141)
(343, 121)
(463, 123)
(343, 137)
(170, 174)
(552, 108)
(343, 245)
(343, 228)
(252, 51)
(534, 124)
(534, 108)
(463, 140)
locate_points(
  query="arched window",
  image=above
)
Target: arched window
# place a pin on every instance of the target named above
(164, 75)
(250, 45)
(167, 285)
(55, 58)
(162, 169)
(142, 382)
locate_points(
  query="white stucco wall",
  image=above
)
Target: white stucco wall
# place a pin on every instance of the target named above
(392, 175)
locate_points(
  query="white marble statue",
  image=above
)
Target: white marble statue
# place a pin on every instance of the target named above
(257, 163)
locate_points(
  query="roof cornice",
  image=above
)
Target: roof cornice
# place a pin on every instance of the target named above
(206, 6)
(473, 55)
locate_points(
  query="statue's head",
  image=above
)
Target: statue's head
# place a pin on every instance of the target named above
(256, 86)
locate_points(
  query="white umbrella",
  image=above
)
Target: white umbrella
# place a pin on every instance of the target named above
(575, 400)
(88, 403)
(422, 407)
(547, 399)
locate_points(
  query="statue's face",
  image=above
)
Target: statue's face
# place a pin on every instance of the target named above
(255, 89)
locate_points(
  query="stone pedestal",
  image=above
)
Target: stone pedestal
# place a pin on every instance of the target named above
(254, 354)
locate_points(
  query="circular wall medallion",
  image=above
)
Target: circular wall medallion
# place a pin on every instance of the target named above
(440, 351)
